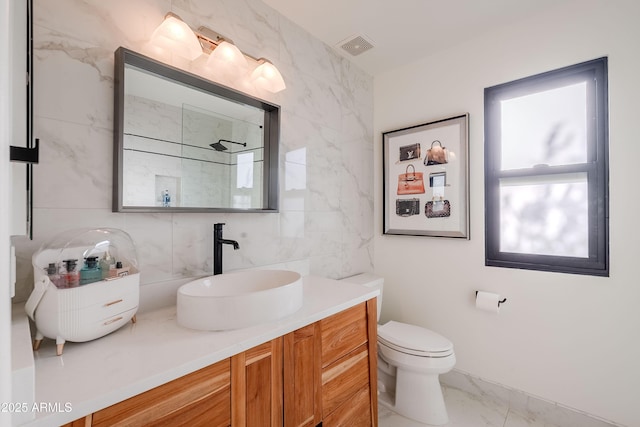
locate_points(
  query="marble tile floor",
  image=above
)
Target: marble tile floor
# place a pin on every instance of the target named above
(467, 410)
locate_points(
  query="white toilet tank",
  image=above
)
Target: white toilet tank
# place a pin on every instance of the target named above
(368, 280)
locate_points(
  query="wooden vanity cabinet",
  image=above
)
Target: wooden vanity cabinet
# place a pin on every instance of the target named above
(322, 374)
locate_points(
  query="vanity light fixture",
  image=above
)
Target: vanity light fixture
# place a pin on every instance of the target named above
(223, 54)
(228, 55)
(174, 35)
(267, 76)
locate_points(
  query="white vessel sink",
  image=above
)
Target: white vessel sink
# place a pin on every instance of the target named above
(239, 300)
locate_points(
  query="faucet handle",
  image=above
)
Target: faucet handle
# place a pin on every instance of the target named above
(218, 226)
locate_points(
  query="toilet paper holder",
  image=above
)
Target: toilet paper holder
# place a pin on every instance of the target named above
(499, 302)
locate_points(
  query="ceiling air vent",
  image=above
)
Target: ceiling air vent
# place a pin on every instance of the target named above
(356, 45)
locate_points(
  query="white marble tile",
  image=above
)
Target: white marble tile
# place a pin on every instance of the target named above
(387, 418)
(314, 100)
(551, 413)
(514, 419)
(327, 265)
(482, 389)
(325, 223)
(468, 410)
(357, 254)
(72, 81)
(99, 23)
(152, 236)
(355, 126)
(464, 410)
(524, 409)
(483, 405)
(305, 54)
(75, 166)
(357, 88)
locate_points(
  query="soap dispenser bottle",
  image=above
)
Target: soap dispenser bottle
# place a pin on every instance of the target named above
(91, 271)
(166, 199)
(71, 275)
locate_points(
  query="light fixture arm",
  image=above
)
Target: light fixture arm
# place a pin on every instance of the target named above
(210, 39)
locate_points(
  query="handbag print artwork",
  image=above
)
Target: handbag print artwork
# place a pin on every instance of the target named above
(410, 152)
(436, 155)
(410, 182)
(437, 208)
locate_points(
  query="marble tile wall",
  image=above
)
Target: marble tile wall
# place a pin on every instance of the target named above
(325, 223)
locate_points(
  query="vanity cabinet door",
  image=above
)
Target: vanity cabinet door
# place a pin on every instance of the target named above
(202, 398)
(302, 377)
(256, 386)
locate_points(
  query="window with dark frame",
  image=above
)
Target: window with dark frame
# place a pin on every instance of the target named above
(546, 171)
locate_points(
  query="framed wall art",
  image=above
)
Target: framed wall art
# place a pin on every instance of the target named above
(426, 179)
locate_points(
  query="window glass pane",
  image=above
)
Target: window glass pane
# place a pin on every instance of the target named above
(545, 216)
(547, 127)
(244, 171)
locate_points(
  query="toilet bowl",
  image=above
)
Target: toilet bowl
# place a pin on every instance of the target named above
(410, 360)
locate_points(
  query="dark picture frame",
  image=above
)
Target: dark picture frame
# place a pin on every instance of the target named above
(427, 165)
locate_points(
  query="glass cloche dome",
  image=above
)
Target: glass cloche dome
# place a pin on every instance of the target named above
(86, 255)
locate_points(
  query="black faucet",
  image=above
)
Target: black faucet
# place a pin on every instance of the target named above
(218, 241)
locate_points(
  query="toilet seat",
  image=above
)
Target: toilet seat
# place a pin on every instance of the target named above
(414, 340)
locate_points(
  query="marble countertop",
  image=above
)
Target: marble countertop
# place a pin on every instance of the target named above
(138, 357)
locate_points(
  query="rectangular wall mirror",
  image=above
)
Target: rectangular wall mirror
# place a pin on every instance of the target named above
(186, 144)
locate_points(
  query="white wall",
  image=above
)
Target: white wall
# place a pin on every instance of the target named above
(5, 189)
(566, 338)
(324, 227)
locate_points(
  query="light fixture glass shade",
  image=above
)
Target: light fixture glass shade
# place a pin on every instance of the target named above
(267, 76)
(226, 55)
(176, 36)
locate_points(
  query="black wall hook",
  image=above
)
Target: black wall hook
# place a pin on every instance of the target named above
(25, 154)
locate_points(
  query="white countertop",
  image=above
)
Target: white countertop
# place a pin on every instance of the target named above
(138, 357)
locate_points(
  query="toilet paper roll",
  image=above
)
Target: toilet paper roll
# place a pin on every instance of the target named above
(488, 301)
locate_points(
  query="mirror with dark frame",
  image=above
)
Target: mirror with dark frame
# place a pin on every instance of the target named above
(186, 144)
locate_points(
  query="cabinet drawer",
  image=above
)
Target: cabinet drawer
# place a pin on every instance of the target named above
(109, 307)
(342, 379)
(343, 332)
(202, 398)
(355, 412)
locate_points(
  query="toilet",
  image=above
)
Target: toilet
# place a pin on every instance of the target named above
(410, 360)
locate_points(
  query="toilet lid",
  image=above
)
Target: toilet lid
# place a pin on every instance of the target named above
(414, 339)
